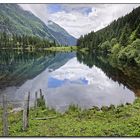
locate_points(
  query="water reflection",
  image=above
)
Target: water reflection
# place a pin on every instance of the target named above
(16, 67)
(80, 85)
(74, 83)
(129, 76)
(85, 80)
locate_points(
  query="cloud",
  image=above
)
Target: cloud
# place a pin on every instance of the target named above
(39, 10)
(80, 19)
(100, 16)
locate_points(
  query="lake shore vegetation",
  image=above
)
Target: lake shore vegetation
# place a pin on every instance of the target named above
(122, 120)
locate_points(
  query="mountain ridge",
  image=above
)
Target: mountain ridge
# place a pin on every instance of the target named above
(61, 33)
(15, 20)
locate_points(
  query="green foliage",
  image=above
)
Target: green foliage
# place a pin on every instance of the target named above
(128, 55)
(136, 44)
(127, 75)
(119, 29)
(18, 21)
(137, 59)
(119, 121)
(106, 46)
(62, 49)
(113, 41)
(131, 53)
(116, 48)
(125, 31)
(132, 37)
(15, 20)
(137, 33)
(24, 41)
(125, 35)
(41, 102)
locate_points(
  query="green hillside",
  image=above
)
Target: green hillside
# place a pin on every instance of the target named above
(121, 39)
(15, 20)
(61, 34)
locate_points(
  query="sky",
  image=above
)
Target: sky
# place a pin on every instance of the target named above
(79, 19)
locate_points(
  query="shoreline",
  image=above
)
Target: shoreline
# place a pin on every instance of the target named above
(119, 121)
(57, 49)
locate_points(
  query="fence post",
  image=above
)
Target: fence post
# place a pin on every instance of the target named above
(5, 117)
(26, 112)
(35, 105)
(41, 94)
(42, 99)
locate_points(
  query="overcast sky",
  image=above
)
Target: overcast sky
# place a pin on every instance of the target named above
(80, 19)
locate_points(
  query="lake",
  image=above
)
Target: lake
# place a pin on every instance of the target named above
(74, 78)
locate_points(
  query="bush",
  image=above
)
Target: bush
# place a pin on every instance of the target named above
(136, 44)
(115, 49)
(128, 55)
(137, 59)
(132, 37)
(113, 41)
(106, 46)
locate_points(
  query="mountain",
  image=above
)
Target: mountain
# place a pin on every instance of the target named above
(116, 29)
(15, 20)
(120, 39)
(61, 34)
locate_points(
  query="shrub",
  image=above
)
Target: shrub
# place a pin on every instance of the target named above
(115, 49)
(136, 44)
(113, 41)
(106, 46)
(128, 55)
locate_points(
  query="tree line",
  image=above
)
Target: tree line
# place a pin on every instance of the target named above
(126, 75)
(120, 39)
(24, 41)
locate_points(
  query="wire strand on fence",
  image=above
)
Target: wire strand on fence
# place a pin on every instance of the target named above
(11, 101)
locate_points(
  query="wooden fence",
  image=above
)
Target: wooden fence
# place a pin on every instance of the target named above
(26, 108)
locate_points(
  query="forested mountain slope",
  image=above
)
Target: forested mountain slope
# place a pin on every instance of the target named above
(61, 34)
(15, 20)
(120, 38)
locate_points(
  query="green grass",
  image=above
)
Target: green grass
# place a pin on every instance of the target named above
(84, 49)
(62, 49)
(120, 121)
(57, 49)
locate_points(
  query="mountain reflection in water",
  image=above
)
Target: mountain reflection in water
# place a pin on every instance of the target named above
(74, 83)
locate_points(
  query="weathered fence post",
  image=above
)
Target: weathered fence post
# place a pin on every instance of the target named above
(42, 100)
(35, 105)
(26, 112)
(41, 95)
(5, 117)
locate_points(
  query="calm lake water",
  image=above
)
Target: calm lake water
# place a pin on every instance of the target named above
(66, 79)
